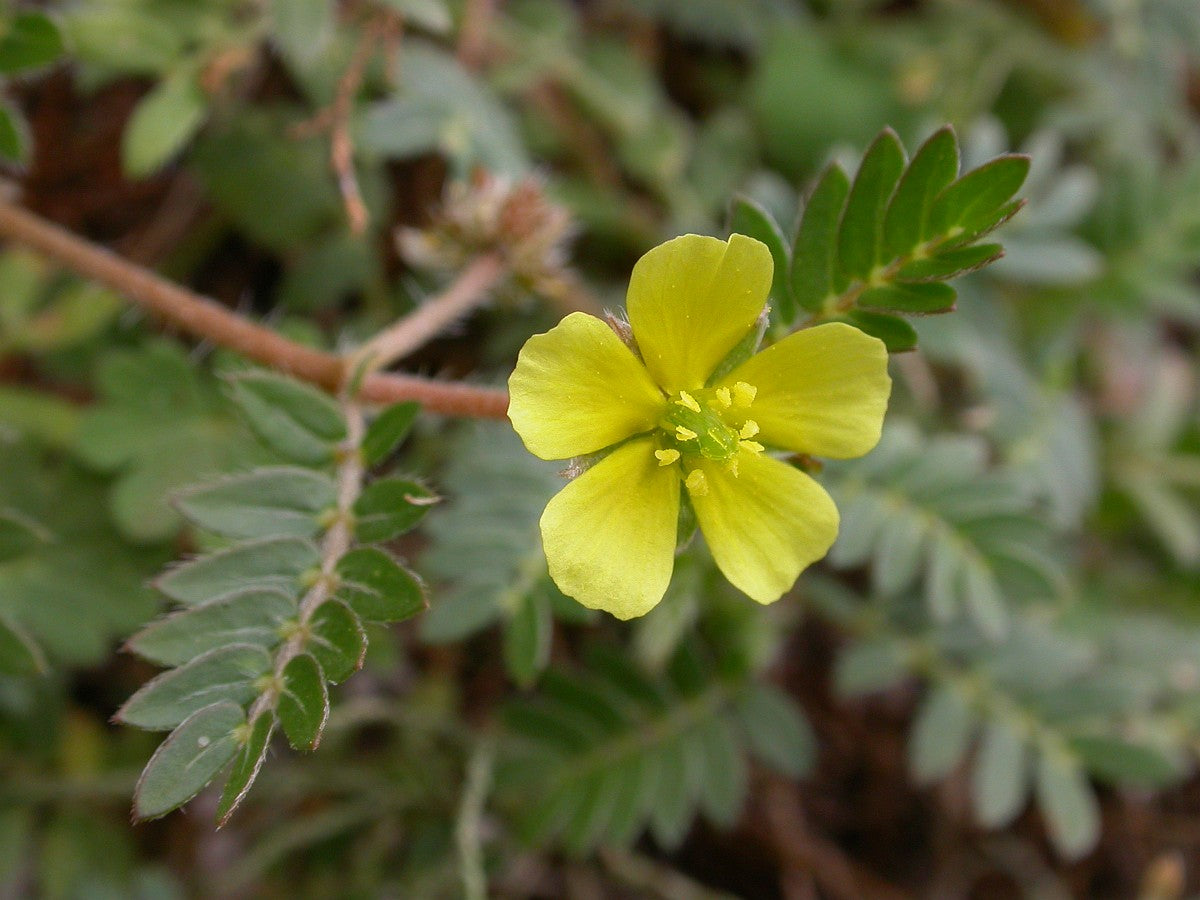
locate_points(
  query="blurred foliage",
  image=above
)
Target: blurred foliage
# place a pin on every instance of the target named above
(991, 680)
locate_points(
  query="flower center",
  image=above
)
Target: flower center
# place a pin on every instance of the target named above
(708, 424)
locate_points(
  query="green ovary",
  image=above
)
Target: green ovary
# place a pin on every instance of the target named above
(710, 424)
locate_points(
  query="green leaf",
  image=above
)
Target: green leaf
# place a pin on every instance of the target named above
(527, 640)
(14, 135)
(29, 40)
(188, 759)
(986, 226)
(1000, 779)
(860, 234)
(246, 765)
(297, 420)
(271, 564)
(389, 507)
(227, 673)
(266, 502)
(1068, 805)
(897, 335)
(749, 218)
(776, 729)
(377, 587)
(303, 28)
(932, 170)
(19, 535)
(940, 735)
(919, 298)
(972, 202)
(868, 666)
(246, 617)
(386, 432)
(162, 122)
(1126, 763)
(951, 263)
(816, 276)
(336, 640)
(19, 655)
(304, 702)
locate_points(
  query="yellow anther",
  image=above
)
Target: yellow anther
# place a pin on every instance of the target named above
(752, 446)
(749, 430)
(697, 483)
(723, 397)
(684, 434)
(666, 457)
(732, 466)
(744, 394)
(688, 401)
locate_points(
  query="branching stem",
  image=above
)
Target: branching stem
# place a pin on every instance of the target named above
(468, 291)
(205, 318)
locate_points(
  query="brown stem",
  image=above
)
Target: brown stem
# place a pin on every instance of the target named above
(468, 291)
(205, 318)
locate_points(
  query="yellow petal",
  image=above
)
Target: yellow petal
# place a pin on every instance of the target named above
(578, 389)
(691, 300)
(822, 390)
(765, 525)
(609, 535)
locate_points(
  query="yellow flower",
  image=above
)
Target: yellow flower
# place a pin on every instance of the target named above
(610, 534)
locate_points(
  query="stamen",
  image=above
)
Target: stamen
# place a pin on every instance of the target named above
(752, 446)
(666, 457)
(684, 434)
(744, 394)
(688, 401)
(749, 430)
(732, 466)
(697, 483)
(723, 397)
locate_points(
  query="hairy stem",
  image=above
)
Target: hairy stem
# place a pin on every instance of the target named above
(205, 318)
(468, 291)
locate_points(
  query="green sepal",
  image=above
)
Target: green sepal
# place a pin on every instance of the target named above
(303, 707)
(389, 507)
(377, 587)
(815, 273)
(188, 759)
(246, 765)
(751, 219)
(915, 299)
(860, 234)
(336, 640)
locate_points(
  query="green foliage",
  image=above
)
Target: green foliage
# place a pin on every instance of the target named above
(611, 751)
(263, 628)
(888, 240)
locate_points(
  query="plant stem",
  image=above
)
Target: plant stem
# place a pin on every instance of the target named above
(468, 291)
(205, 318)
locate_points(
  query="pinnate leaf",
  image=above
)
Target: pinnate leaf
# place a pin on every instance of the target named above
(272, 564)
(336, 640)
(860, 235)
(297, 420)
(815, 273)
(224, 674)
(751, 219)
(246, 617)
(246, 765)
(282, 500)
(389, 507)
(932, 169)
(377, 587)
(303, 703)
(386, 432)
(188, 759)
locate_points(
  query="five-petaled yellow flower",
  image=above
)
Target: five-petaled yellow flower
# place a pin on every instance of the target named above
(610, 534)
